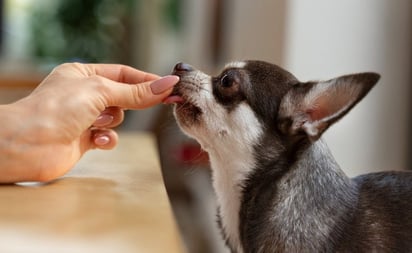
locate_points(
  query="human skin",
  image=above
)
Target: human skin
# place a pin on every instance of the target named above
(72, 111)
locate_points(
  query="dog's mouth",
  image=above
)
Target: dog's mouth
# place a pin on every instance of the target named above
(186, 111)
(178, 95)
(174, 98)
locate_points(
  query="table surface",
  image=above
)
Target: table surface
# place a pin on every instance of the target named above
(112, 201)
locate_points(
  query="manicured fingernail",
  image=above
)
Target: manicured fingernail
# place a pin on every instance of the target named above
(104, 120)
(163, 84)
(101, 140)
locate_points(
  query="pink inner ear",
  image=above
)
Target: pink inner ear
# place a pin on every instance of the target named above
(326, 106)
(319, 109)
(315, 114)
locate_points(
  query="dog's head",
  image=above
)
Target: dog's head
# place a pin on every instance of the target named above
(250, 98)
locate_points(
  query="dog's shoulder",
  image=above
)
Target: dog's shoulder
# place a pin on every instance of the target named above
(386, 193)
(383, 217)
(391, 183)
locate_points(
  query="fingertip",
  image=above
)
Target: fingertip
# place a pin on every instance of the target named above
(140, 95)
(103, 120)
(164, 84)
(101, 140)
(110, 117)
(105, 139)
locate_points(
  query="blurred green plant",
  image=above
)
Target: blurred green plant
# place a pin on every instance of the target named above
(82, 30)
(172, 13)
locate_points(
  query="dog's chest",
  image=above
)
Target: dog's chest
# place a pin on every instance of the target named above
(232, 159)
(227, 180)
(231, 165)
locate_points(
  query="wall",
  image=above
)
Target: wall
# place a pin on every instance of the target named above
(255, 30)
(328, 38)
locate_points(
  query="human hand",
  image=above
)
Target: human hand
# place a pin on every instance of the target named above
(70, 112)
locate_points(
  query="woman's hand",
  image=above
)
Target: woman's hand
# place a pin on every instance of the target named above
(71, 111)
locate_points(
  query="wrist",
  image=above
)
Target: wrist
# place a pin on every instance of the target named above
(15, 152)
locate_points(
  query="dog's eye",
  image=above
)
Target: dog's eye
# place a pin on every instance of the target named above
(227, 87)
(226, 81)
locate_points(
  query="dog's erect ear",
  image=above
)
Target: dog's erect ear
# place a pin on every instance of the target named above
(312, 107)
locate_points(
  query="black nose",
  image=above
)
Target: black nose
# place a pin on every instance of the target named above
(182, 67)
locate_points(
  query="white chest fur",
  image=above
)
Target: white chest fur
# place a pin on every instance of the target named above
(232, 159)
(227, 179)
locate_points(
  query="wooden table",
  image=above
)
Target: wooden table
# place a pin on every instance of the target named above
(14, 86)
(112, 201)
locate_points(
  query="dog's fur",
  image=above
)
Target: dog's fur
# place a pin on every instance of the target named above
(278, 187)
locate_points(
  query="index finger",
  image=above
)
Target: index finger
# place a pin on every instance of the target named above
(120, 73)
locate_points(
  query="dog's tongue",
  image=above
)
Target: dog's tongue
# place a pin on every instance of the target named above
(173, 99)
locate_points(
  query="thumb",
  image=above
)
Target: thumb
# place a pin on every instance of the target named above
(142, 95)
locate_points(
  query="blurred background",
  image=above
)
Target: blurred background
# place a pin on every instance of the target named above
(317, 39)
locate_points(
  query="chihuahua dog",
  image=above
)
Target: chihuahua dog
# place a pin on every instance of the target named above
(278, 187)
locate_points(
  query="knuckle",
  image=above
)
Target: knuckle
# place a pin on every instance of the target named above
(139, 94)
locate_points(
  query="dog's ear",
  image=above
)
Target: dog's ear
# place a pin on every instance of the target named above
(310, 108)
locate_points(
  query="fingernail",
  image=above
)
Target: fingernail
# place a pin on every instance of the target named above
(104, 120)
(163, 84)
(101, 140)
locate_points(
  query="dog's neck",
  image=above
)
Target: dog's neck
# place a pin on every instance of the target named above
(312, 195)
(313, 182)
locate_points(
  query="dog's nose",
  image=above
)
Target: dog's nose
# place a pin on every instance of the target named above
(182, 67)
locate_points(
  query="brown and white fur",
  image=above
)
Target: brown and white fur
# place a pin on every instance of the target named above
(278, 187)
